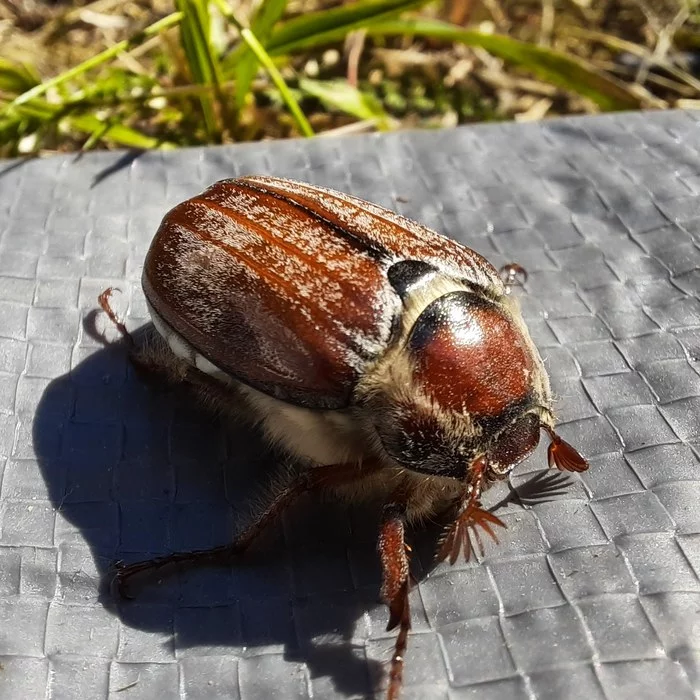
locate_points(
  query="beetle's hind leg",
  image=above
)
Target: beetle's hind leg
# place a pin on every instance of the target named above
(139, 357)
(216, 556)
(151, 357)
(313, 479)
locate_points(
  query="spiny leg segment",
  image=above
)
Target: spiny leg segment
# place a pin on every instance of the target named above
(471, 517)
(396, 579)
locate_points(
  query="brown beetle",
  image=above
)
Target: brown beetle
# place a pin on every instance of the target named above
(389, 360)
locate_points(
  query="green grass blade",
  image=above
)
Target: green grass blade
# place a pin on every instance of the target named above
(341, 96)
(267, 63)
(555, 67)
(102, 57)
(192, 41)
(116, 133)
(44, 113)
(96, 136)
(269, 13)
(16, 78)
(276, 77)
(327, 26)
(201, 58)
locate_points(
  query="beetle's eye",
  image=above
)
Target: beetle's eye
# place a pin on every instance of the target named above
(514, 444)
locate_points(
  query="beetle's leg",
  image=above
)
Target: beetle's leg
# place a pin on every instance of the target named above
(467, 523)
(142, 365)
(215, 556)
(512, 275)
(395, 587)
(149, 364)
(104, 303)
(312, 479)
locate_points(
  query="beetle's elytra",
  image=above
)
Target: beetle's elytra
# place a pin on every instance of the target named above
(389, 360)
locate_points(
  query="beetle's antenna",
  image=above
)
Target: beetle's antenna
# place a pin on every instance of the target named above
(562, 454)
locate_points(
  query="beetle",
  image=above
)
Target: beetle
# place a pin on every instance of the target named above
(388, 360)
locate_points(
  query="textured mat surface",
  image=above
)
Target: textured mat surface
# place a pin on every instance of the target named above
(594, 594)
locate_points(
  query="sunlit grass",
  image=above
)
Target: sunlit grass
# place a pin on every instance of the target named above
(210, 71)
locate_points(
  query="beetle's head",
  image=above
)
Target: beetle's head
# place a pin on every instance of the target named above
(468, 383)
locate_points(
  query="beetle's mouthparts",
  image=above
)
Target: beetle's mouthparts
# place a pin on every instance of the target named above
(562, 454)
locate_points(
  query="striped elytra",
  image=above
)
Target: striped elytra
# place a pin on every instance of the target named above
(285, 286)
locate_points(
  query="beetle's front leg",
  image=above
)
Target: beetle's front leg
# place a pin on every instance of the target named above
(470, 518)
(393, 554)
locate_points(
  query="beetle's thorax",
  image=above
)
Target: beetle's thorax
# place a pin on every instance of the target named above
(461, 370)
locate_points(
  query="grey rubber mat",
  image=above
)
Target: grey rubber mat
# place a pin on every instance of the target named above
(592, 594)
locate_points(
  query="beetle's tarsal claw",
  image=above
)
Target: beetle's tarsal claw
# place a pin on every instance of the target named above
(464, 532)
(565, 457)
(106, 306)
(513, 275)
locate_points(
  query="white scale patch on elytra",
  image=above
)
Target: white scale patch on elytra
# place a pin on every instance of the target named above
(333, 294)
(292, 265)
